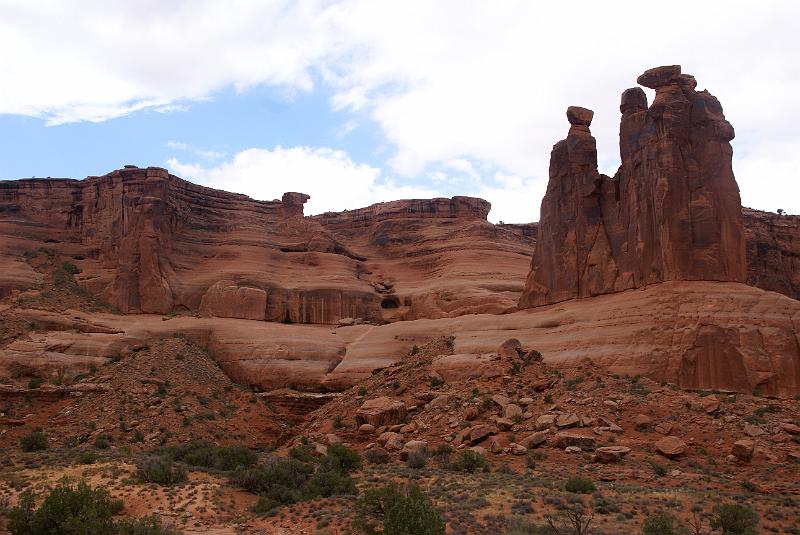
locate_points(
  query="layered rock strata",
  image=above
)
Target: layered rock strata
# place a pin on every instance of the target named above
(146, 241)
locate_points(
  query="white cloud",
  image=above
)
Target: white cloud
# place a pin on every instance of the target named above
(449, 81)
(334, 181)
(188, 147)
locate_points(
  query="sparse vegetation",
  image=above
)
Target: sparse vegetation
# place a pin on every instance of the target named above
(203, 454)
(160, 470)
(469, 461)
(734, 519)
(580, 485)
(65, 509)
(33, 441)
(663, 524)
(401, 512)
(280, 481)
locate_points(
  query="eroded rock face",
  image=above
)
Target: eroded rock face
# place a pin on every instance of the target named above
(149, 242)
(773, 251)
(672, 211)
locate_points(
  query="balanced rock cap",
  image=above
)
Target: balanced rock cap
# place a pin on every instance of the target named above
(579, 116)
(659, 76)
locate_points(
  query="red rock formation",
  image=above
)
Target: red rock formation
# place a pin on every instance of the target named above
(773, 251)
(147, 241)
(672, 211)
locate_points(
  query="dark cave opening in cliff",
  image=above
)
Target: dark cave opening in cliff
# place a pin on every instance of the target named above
(390, 302)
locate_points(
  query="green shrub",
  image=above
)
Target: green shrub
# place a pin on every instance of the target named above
(341, 458)
(102, 442)
(35, 382)
(33, 441)
(734, 519)
(413, 514)
(327, 483)
(416, 461)
(658, 469)
(70, 268)
(67, 510)
(205, 455)
(87, 457)
(401, 512)
(376, 456)
(469, 461)
(581, 485)
(160, 470)
(280, 481)
(303, 453)
(663, 524)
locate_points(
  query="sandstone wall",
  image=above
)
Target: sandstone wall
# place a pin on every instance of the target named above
(147, 241)
(773, 251)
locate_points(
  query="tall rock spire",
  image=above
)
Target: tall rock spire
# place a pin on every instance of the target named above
(672, 211)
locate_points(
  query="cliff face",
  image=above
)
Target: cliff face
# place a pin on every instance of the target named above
(773, 251)
(672, 211)
(147, 241)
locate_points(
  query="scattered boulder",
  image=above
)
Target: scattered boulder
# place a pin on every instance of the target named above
(439, 401)
(566, 439)
(612, 454)
(471, 413)
(504, 424)
(545, 421)
(391, 441)
(665, 428)
(743, 449)
(414, 447)
(710, 404)
(381, 411)
(642, 421)
(479, 432)
(498, 443)
(332, 439)
(670, 447)
(565, 421)
(510, 348)
(512, 411)
(501, 401)
(518, 449)
(534, 440)
(791, 429)
(753, 430)
(366, 429)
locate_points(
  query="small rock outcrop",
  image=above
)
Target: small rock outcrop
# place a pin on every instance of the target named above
(672, 211)
(381, 411)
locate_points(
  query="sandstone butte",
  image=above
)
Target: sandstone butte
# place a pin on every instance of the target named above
(656, 271)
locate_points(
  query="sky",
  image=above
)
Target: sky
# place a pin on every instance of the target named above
(362, 101)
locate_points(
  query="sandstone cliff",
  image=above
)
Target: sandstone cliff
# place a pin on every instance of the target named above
(672, 211)
(146, 241)
(773, 251)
